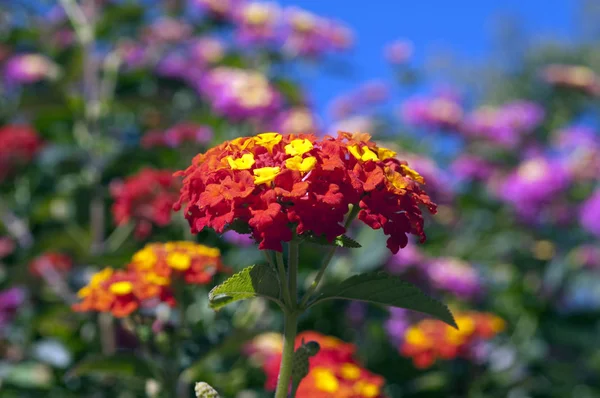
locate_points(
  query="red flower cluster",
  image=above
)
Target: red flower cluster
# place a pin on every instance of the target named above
(333, 372)
(431, 339)
(18, 145)
(148, 279)
(277, 184)
(50, 262)
(146, 198)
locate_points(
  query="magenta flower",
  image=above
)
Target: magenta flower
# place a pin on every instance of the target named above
(470, 167)
(10, 301)
(589, 214)
(257, 23)
(534, 184)
(437, 113)
(399, 52)
(237, 239)
(166, 30)
(409, 257)
(240, 94)
(397, 324)
(579, 150)
(455, 276)
(178, 135)
(576, 77)
(587, 256)
(29, 68)
(218, 9)
(205, 51)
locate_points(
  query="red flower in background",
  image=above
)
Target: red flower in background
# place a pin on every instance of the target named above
(50, 262)
(18, 146)
(145, 198)
(333, 371)
(279, 184)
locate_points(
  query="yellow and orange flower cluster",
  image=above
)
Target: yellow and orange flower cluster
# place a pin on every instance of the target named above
(333, 371)
(430, 339)
(148, 278)
(279, 184)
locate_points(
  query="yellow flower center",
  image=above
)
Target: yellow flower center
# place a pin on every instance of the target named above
(265, 174)
(581, 75)
(298, 147)
(415, 336)
(121, 288)
(243, 163)
(366, 389)
(95, 281)
(179, 261)
(325, 380)
(268, 140)
(350, 371)
(257, 14)
(303, 165)
(145, 258)
(207, 251)
(367, 154)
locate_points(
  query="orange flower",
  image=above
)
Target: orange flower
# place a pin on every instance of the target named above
(279, 184)
(430, 339)
(333, 371)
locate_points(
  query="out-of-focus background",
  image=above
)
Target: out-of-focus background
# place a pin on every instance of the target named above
(495, 104)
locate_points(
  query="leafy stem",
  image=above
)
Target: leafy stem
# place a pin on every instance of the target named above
(283, 280)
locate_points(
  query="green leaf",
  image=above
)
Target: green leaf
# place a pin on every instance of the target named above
(340, 241)
(300, 363)
(119, 366)
(256, 280)
(381, 288)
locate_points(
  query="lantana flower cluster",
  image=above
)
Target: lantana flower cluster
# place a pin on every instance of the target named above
(577, 77)
(150, 277)
(333, 371)
(275, 186)
(18, 145)
(430, 339)
(50, 263)
(145, 198)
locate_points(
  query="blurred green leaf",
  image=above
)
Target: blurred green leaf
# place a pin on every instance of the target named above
(340, 241)
(253, 281)
(381, 288)
(120, 366)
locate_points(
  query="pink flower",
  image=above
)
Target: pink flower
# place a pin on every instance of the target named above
(29, 68)
(399, 52)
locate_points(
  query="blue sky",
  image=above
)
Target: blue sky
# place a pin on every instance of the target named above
(462, 26)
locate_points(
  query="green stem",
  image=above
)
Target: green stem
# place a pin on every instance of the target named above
(285, 371)
(293, 271)
(327, 260)
(283, 280)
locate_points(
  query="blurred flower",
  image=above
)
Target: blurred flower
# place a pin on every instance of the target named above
(589, 214)
(579, 150)
(219, 9)
(145, 198)
(237, 239)
(311, 36)
(397, 324)
(436, 179)
(29, 68)
(471, 167)
(504, 125)
(133, 54)
(7, 246)
(357, 123)
(240, 94)
(410, 256)
(333, 371)
(429, 339)
(10, 301)
(178, 135)
(534, 184)
(587, 256)
(399, 52)
(268, 181)
(150, 278)
(205, 51)
(50, 262)
(296, 121)
(439, 113)
(373, 92)
(454, 276)
(257, 22)
(166, 30)
(573, 76)
(18, 145)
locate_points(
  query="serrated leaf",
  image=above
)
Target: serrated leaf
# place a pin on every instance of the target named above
(340, 241)
(254, 281)
(119, 366)
(384, 289)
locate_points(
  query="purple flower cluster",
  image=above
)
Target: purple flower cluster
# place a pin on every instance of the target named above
(178, 135)
(575, 77)
(295, 121)
(240, 94)
(578, 148)
(472, 168)
(440, 112)
(369, 94)
(505, 125)
(438, 273)
(29, 68)
(589, 214)
(398, 52)
(10, 300)
(257, 23)
(534, 185)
